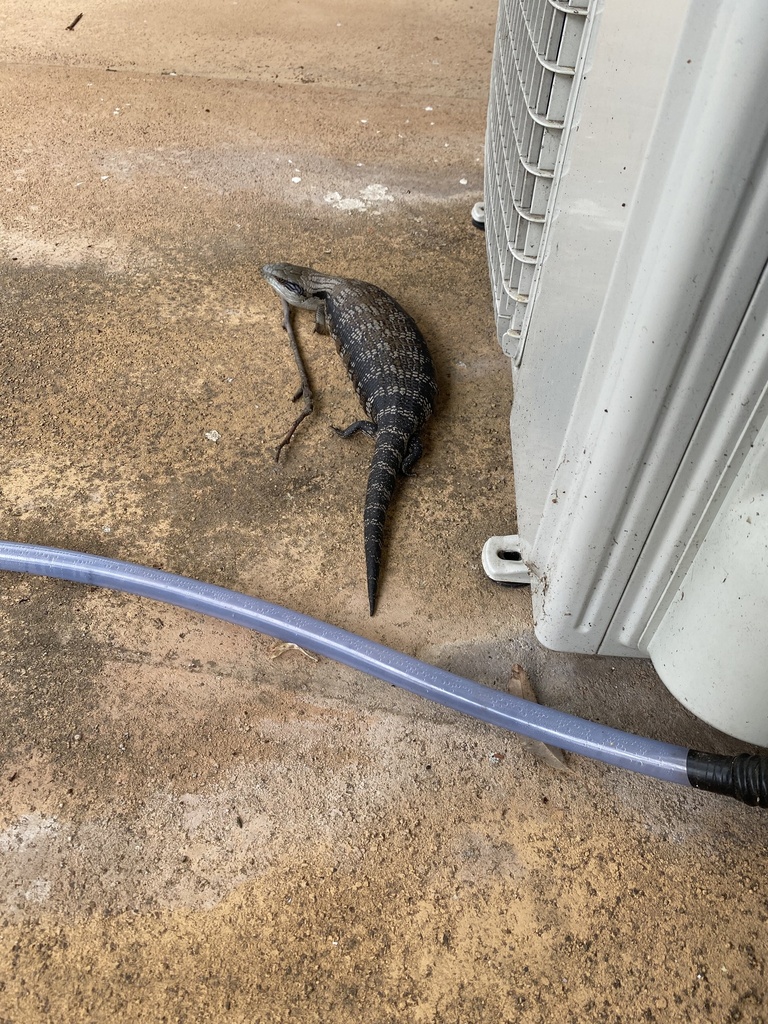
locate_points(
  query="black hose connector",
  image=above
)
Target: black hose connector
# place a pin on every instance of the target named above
(744, 777)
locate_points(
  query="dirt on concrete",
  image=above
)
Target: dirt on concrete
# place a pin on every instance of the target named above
(197, 824)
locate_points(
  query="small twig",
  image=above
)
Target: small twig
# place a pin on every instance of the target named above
(279, 649)
(520, 685)
(71, 28)
(304, 391)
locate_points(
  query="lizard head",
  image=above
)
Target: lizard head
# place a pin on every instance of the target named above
(292, 284)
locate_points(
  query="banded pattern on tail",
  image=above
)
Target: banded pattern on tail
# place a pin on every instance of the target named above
(386, 465)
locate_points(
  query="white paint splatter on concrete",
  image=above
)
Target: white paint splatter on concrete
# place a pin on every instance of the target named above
(27, 833)
(30, 847)
(39, 891)
(369, 197)
(377, 194)
(340, 203)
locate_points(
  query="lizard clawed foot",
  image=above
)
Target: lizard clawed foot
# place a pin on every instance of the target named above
(362, 425)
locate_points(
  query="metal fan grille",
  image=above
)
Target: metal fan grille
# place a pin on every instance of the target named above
(536, 51)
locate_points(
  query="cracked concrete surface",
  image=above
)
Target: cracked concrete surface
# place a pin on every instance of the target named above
(196, 825)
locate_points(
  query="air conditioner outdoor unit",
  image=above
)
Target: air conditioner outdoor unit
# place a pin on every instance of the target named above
(626, 212)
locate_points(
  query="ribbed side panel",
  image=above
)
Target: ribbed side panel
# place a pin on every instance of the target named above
(536, 51)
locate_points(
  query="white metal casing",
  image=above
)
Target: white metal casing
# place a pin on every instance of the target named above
(640, 362)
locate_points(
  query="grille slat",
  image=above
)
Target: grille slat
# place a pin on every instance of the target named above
(536, 50)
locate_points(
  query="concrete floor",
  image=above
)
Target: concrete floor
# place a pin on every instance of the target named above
(194, 824)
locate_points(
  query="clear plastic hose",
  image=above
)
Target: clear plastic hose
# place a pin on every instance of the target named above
(648, 757)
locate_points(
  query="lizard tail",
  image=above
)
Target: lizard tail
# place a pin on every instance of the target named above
(386, 464)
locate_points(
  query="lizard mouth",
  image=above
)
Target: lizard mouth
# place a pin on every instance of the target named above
(291, 286)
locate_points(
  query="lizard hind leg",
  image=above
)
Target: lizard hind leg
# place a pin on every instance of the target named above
(361, 425)
(412, 456)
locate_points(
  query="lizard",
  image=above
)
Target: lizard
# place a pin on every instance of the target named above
(392, 372)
